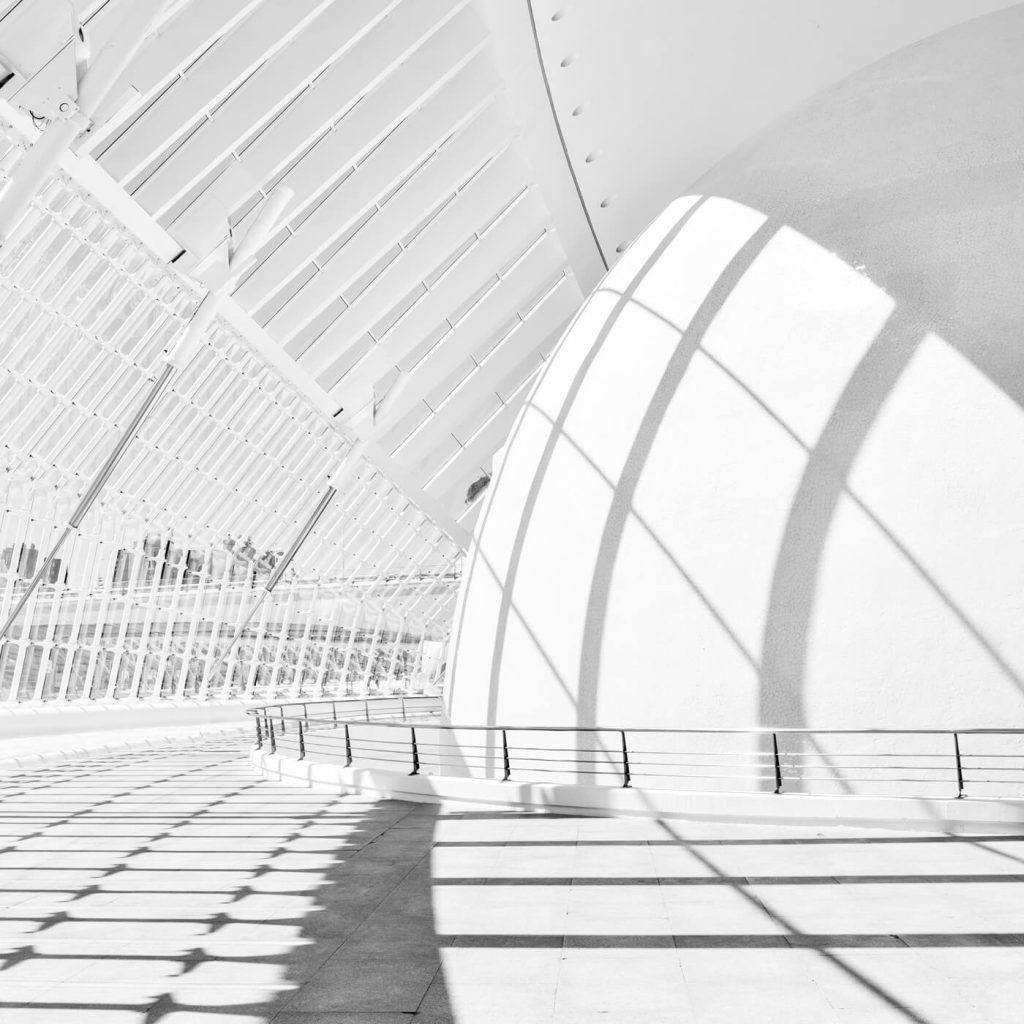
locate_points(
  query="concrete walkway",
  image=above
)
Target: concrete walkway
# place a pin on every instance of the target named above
(174, 887)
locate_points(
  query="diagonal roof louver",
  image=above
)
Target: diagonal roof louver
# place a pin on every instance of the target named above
(415, 229)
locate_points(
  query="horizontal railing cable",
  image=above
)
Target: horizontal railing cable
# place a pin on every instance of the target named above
(407, 732)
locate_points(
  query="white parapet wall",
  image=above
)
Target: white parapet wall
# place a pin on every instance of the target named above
(27, 720)
(47, 733)
(969, 815)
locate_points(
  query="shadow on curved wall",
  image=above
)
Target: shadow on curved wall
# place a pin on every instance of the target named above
(775, 471)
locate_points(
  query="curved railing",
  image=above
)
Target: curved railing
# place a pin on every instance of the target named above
(402, 734)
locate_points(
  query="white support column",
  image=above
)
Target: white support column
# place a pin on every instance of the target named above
(417, 664)
(381, 617)
(172, 619)
(116, 545)
(333, 621)
(148, 616)
(205, 577)
(257, 645)
(93, 548)
(18, 520)
(442, 661)
(282, 640)
(53, 620)
(350, 647)
(300, 661)
(212, 660)
(400, 632)
(126, 614)
(39, 517)
(232, 662)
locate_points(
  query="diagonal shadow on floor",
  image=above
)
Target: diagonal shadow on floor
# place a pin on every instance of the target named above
(176, 888)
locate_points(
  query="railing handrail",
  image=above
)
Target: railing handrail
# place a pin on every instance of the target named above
(763, 730)
(628, 765)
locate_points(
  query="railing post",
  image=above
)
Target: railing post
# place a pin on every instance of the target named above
(778, 767)
(273, 738)
(366, 708)
(334, 714)
(348, 748)
(959, 768)
(415, 753)
(402, 699)
(259, 734)
(626, 777)
(282, 720)
(302, 743)
(504, 756)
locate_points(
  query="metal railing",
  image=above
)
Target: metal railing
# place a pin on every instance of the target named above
(403, 734)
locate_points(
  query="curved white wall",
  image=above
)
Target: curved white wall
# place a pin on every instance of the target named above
(775, 471)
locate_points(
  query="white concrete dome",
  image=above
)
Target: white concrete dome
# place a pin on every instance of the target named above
(774, 473)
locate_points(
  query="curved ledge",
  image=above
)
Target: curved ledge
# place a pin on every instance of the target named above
(977, 814)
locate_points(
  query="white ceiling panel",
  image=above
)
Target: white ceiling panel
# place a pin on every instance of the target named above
(480, 201)
(507, 239)
(265, 92)
(376, 175)
(454, 164)
(208, 82)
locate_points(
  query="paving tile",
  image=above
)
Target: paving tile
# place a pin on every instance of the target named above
(367, 983)
(895, 983)
(510, 984)
(498, 909)
(717, 910)
(621, 985)
(181, 886)
(393, 933)
(768, 986)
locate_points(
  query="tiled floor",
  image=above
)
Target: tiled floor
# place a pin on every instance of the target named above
(176, 888)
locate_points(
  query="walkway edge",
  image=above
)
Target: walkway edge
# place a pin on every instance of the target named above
(85, 745)
(914, 814)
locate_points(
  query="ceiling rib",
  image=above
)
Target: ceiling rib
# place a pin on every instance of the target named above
(379, 171)
(507, 239)
(267, 90)
(176, 45)
(456, 162)
(485, 195)
(322, 105)
(208, 82)
(372, 119)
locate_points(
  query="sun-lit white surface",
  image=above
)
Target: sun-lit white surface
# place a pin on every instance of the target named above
(682, 466)
(175, 888)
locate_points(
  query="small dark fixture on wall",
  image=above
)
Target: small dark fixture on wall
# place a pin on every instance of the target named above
(476, 487)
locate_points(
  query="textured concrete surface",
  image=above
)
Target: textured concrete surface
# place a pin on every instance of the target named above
(177, 888)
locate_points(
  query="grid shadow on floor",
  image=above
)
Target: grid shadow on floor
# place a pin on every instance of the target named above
(174, 887)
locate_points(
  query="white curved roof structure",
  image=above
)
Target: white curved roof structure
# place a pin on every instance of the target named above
(452, 176)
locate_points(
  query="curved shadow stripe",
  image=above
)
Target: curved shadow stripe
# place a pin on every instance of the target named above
(549, 449)
(795, 579)
(622, 499)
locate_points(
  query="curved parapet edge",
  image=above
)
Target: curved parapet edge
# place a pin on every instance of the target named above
(966, 815)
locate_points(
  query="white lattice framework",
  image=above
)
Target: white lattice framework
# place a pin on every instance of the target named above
(145, 598)
(393, 321)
